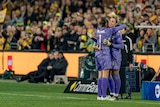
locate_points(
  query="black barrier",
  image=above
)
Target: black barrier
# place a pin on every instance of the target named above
(82, 86)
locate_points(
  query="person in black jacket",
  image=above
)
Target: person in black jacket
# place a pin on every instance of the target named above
(59, 65)
(127, 61)
(147, 72)
(40, 74)
(50, 67)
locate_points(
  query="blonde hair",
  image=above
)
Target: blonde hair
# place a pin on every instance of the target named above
(115, 17)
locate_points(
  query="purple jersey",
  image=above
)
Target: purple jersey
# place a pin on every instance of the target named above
(104, 56)
(118, 44)
(105, 33)
(116, 51)
(103, 59)
(100, 36)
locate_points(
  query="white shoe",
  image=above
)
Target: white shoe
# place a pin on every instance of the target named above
(47, 83)
(104, 98)
(99, 98)
(109, 97)
(112, 99)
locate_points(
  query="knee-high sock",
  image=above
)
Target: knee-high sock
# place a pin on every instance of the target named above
(99, 83)
(117, 81)
(104, 86)
(111, 85)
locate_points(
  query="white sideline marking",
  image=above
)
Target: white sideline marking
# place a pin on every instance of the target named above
(76, 98)
(43, 96)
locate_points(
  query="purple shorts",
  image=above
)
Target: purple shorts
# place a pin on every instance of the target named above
(116, 65)
(103, 62)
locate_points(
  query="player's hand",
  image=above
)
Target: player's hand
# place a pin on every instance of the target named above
(130, 66)
(49, 67)
(107, 42)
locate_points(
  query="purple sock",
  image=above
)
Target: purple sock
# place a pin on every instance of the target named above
(99, 83)
(117, 81)
(104, 86)
(111, 85)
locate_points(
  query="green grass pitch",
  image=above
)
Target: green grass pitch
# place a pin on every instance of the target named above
(13, 94)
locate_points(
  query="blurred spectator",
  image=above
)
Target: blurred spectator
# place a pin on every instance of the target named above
(30, 15)
(83, 40)
(23, 42)
(78, 16)
(57, 66)
(50, 67)
(9, 37)
(38, 40)
(60, 66)
(16, 17)
(140, 41)
(147, 72)
(2, 39)
(150, 38)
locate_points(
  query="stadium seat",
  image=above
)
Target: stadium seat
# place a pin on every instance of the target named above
(57, 79)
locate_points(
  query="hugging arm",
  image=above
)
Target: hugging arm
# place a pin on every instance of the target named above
(117, 28)
(119, 42)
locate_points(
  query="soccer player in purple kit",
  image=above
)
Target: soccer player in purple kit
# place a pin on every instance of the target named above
(103, 57)
(115, 50)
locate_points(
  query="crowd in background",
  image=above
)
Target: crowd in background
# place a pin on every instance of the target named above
(63, 24)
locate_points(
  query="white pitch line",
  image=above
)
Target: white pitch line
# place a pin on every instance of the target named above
(42, 96)
(76, 98)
